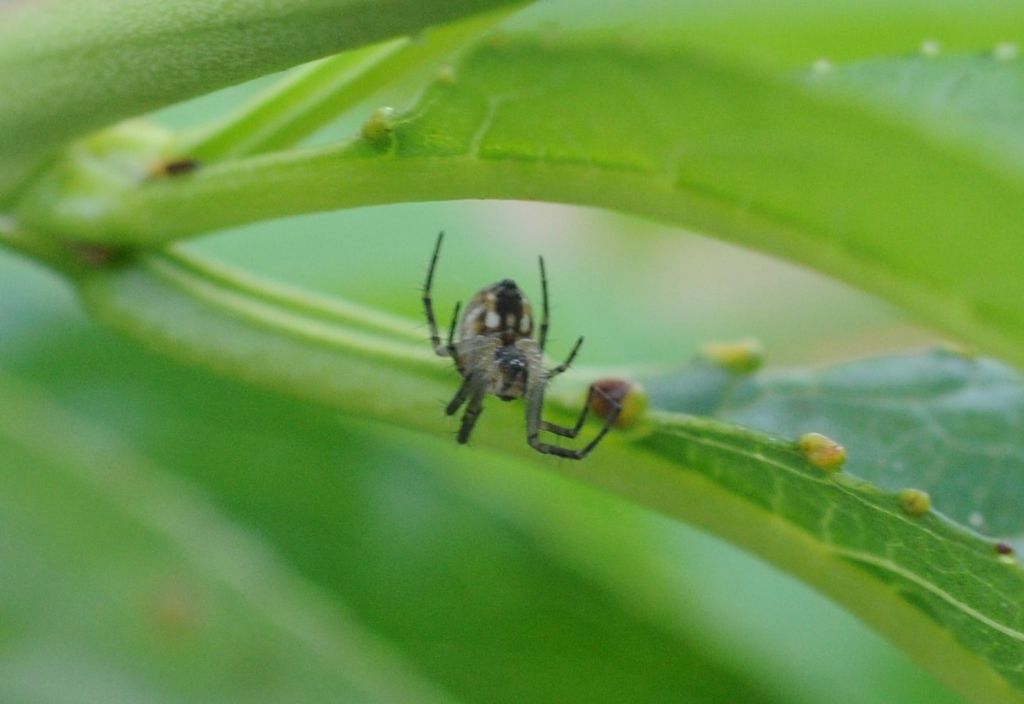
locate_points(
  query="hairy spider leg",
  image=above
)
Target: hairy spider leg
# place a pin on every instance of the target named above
(575, 430)
(543, 339)
(534, 424)
(452, 351)
(428, 305)
(473, 410)
(552, 373)
(468, 384)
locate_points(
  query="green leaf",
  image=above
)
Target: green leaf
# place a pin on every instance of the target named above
(941, 592)
(131, 586)
(821, 171)
(796, 33)
(192, 539)
(943, 422)
(818, 173)
(976, 100)
(94, 62)
(317, 93)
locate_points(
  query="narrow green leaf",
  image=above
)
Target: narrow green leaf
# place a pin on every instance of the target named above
(315, 94)
(939, 591)
(268, 121)
(815, 173)
(70, 66)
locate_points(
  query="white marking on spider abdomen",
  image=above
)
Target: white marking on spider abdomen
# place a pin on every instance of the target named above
(492, 320)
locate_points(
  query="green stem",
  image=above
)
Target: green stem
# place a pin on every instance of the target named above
(140, 55)
(194, 273)
(315, 94)
(749, 488)
(301, 102)
(45, 250)
(356, 174)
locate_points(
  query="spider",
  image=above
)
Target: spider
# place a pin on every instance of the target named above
(497, 354)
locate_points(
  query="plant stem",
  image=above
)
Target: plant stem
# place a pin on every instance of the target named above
(313, 95)
(191, 46)
(41, 249)
(302, 101)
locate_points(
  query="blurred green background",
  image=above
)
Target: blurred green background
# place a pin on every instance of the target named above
(166, 535)
(489, 580)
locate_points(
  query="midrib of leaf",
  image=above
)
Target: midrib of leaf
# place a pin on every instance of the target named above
(845, 537)
(898, 571)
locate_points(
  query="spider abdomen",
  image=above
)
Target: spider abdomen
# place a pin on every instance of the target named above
(506, 370)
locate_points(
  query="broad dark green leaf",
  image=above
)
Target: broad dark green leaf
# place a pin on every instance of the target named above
(944, 422)
(950, 597)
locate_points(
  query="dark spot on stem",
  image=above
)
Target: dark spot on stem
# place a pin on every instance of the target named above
(98, 256)
(175, 167)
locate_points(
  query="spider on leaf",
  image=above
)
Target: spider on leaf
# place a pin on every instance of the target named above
(496, 353)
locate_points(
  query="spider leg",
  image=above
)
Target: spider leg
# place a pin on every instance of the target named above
(572, 432)
(428, 303)
(534, 424)
(468, 384)
(543, 338)
(469, 418)
(450, 348)
(568, 360)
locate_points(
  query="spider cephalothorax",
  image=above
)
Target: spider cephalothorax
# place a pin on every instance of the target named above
(496, 353)
(500, 309)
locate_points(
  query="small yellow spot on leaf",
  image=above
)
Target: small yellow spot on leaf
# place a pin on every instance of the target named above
(377, 129)
(446, 74)
(822, 451)
(915, 502)
(741, 357)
